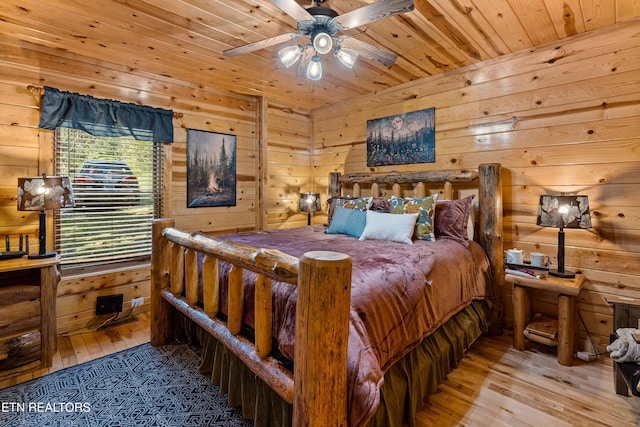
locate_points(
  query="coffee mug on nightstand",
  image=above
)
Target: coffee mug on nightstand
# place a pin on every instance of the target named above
(539, 259)
(514, 256)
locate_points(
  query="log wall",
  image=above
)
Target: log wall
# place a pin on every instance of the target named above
(563, 117)
(25, 151)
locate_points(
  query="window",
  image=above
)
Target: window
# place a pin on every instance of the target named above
(117, 185)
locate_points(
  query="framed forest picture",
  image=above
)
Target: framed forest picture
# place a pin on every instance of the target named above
(402, 139)
(211, 169)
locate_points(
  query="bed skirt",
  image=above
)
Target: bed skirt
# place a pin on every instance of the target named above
(406, 384)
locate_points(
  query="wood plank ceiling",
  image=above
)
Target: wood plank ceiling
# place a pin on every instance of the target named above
(184, 39)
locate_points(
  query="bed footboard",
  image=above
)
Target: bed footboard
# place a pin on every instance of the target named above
(317, 388)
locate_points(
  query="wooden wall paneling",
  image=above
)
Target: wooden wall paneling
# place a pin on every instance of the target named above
(289, 165)
(559, 118)
(23, 64)
(262, 155)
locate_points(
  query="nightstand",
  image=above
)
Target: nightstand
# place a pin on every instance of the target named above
(567, 290)
(27, 314)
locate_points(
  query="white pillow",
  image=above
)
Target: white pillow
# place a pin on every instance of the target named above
(391, 227)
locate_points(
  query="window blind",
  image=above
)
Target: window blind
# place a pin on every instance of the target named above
(117, 185)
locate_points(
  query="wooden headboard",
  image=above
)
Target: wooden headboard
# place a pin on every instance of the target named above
(488, 181)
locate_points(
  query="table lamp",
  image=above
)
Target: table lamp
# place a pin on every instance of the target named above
(43, 193)
(563, 212)
(309, 202)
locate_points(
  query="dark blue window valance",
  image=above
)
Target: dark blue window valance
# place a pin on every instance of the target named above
(104, 117)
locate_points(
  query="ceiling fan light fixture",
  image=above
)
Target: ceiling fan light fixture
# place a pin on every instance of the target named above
(314, 69)
(346, 56)
(290, 55)
(322, 43)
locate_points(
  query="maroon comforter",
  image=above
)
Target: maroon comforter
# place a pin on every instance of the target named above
(400, 294)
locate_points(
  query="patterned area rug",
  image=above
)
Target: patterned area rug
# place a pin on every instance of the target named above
(141, 386)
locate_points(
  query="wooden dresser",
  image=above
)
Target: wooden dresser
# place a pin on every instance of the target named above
(27, 314)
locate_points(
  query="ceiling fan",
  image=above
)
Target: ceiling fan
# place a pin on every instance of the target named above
(322, 25)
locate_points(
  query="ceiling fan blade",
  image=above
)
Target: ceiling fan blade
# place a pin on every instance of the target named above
(373, 53)
(293, 9)
(260, 44)
(372, 12)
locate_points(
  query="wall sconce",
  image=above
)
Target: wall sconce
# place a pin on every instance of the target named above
(309, 202)
(42, 194)
(563, 212)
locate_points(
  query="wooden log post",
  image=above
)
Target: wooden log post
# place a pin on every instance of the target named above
(211, 285)
(490, 233)
(235, 299)
(177, 269)
(49, 278)
(263, 315)
(375, 190)
(335, 186)
(191, 277)
(161, 311)
(322, 333)
(566, 329)
(396, 189)
(448, 190)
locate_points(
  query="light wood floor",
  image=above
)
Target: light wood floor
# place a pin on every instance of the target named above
(495, 385)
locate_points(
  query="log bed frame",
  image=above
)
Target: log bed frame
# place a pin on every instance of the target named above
(317, 388)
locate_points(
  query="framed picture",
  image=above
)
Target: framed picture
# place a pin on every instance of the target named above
(211, 169)
(402, 139)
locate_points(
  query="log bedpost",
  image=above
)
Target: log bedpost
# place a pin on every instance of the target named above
(322, 333)
(335, 186)
(161, 310)
(490, 234)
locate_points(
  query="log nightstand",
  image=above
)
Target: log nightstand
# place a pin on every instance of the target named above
(27, 314)
(567, 290)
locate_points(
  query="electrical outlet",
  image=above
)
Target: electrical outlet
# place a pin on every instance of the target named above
(109, 304)
(137, 302)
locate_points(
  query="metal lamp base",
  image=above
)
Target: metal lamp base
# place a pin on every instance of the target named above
(562, 274)
(44, 255)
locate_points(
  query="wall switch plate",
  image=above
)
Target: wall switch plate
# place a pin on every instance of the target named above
(109, 304)
(137, 302)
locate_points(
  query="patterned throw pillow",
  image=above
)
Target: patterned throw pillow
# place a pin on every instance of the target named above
(425, 207)
(360, 203)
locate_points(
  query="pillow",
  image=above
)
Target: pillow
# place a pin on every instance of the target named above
(361, 203)
(347, 221)
(390, 227)
(424, 207)
(452, 218)
(380, 204)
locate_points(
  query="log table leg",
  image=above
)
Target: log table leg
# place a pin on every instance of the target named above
(521, 311)
(566, 334)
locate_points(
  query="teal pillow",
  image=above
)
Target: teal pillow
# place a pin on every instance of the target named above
(347, 221)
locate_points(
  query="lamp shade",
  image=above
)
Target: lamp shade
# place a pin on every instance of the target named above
(347, 57)
(564, 212)
(309, 202)
(322, 43)
(44, 193)
(314, 69)
(290, 55)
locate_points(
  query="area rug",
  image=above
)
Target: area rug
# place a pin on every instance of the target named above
(141, 386)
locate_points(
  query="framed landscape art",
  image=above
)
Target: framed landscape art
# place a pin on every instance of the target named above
(402, 139)
(211, 169)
